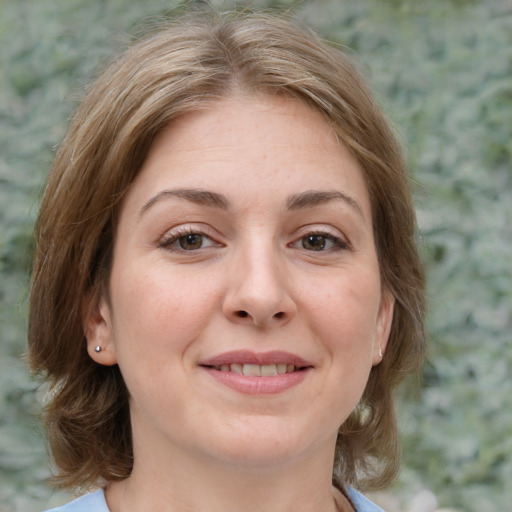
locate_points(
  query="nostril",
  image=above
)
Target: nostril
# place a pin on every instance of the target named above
(242, 314)
(279, 315)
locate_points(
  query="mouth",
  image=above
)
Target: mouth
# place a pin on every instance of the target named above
(257, 370)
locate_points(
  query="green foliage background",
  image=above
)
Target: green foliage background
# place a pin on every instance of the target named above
(442, 70)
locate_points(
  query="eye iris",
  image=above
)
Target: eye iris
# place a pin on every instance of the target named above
(192, 241)
(314, 242)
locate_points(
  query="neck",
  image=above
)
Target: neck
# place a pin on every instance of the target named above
(207, 486)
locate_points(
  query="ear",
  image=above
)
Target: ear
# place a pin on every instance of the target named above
(98, 330)
(383, 327)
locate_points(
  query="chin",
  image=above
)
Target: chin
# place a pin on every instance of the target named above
(268, 445)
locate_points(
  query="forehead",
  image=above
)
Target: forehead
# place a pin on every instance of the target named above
(253, 145)
(249, 121)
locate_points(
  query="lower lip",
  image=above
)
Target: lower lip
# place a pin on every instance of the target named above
(258, 385)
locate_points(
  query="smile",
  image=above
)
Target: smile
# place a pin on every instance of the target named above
(256, 370)
(256, 373)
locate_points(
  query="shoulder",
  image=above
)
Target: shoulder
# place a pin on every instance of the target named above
(361, 503)
(91, 502)
(95, 502)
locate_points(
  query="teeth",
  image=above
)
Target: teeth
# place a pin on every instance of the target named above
(235, 368)
(256, 370)
(268, 370)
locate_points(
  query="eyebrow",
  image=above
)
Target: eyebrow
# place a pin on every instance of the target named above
(307, 199)
(197, 196)
(312, 198)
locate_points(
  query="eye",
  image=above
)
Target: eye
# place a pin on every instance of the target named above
(191, 242)
(186, 240)
(321, 242)
(314, 242)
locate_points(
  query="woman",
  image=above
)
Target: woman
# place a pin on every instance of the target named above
(226, 287)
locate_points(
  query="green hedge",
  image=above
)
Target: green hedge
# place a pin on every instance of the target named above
(442, 70)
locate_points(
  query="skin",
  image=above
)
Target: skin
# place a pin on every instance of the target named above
(250, 280)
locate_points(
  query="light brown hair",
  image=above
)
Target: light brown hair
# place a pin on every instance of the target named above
(186, 65)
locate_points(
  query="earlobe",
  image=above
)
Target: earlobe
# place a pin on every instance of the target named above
(384, 322)
(99, 333)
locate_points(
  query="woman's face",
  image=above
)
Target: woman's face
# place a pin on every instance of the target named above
(245, 308)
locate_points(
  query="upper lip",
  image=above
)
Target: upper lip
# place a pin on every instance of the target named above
(260, 358)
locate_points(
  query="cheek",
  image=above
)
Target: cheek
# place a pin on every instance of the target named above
(157, 316)
(156, 310)
(350, 297)
(345, 317)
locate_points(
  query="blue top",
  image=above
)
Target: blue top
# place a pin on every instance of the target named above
(92, 502)
(95, 502)
(361, 503)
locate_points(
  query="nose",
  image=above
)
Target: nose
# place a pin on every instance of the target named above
(258, 293)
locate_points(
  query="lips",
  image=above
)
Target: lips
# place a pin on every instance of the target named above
(257, 373)
(257, 363)
(257, 370)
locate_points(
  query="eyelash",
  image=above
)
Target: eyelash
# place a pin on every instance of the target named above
(169, 240)
(338, 243)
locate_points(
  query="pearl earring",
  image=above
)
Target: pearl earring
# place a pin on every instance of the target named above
(380, 353)
(97, 349)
